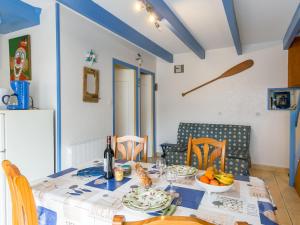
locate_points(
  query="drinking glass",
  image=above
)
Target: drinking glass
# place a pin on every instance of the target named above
(171, 175)
(161, 165)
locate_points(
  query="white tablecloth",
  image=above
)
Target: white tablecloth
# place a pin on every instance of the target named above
(67, 199)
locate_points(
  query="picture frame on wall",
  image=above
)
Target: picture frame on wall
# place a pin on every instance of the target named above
(20, 58)
(90, 85)
(282, 98)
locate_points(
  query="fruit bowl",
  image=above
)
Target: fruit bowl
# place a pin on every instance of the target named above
(211, 188)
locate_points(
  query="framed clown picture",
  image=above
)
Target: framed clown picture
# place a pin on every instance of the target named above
(20, 58)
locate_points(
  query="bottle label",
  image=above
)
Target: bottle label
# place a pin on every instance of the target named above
(105, 165)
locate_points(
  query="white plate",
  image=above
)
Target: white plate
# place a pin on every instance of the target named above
(147, 200)
(184, 171)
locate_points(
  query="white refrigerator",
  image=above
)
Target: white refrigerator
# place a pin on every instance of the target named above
(27, 140)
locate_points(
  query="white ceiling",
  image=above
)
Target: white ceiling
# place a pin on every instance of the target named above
(264, 20)
(258, 20)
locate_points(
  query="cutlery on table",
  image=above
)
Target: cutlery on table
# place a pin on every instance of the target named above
(172, 208)
(73, 193)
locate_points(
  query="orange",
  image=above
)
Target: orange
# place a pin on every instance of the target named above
(204, 179)
(210, 173)
(214, 182)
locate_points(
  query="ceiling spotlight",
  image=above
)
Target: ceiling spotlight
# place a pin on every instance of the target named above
(139, 5)
(157, 25)
(152, 18)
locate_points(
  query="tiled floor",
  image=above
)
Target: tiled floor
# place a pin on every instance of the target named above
(285, 197)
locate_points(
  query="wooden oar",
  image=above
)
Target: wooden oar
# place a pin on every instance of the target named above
(232, 71)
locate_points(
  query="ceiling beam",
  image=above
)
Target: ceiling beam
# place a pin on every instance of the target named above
(17, 15)
(177, 27)
(232, 22)
(99, 15)
(293, 30)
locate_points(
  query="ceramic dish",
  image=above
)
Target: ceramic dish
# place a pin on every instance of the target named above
(147, 200)
(211, 188)
(184, 171)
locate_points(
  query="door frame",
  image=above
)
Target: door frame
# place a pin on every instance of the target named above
(138, 72)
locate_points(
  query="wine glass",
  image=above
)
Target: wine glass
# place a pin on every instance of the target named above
(171, 175)
(161, 165)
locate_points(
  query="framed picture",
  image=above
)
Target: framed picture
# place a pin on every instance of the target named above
(90, 85)
(282, 98)
(20, 58)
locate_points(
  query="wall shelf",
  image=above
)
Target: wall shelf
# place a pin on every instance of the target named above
(283, 98)
(16, 15)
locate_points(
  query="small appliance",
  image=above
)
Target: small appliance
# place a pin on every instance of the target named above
(19, 100)
(3, 91)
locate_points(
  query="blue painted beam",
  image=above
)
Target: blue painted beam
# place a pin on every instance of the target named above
(293, 29)
(177, 27)
(232, 22)
(17, 15)
(99, 15)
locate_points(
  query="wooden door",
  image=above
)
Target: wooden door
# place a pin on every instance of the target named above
(125, 101)
(294, 64)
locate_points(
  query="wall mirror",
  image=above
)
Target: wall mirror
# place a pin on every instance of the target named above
(90, 85)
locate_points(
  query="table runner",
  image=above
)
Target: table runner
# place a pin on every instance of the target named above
(65, 198)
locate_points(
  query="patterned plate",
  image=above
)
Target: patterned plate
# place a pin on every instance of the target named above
(184, 171)
(147, 200)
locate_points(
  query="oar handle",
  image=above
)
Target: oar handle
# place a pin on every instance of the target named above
(200, 86)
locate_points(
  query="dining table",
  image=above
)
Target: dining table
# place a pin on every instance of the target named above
(68, 198)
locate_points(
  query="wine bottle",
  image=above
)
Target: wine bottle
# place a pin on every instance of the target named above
(108, 160)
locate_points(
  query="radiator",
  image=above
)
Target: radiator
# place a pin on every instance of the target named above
(84, 152)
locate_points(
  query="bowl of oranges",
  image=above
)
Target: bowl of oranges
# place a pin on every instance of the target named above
(214, 181)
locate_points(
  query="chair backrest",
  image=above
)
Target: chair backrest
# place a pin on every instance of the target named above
(27, 213)
(130, 147)
(162, 220)
(237, 136)
(206, 157)
(11, 171)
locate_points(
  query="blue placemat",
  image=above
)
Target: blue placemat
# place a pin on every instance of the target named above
(242, 178)
(191, 198)
(266, 213)
(110, 185)
(91, 171)
(46, 216)
(61, 173)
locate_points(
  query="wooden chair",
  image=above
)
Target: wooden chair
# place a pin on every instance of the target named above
(162, 220)
(166, 220)
(135, 145)
(26, 210)
(11, 171)
(219, 151)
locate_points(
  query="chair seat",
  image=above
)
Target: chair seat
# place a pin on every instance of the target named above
(235, 166)
(238, 154)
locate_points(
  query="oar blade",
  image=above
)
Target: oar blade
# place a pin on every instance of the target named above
(238, 68)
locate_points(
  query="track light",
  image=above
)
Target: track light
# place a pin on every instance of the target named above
(152, 16)
(138, 6)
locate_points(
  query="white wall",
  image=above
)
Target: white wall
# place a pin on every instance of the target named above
(84, 121)
(241, 99)
(43, 57)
